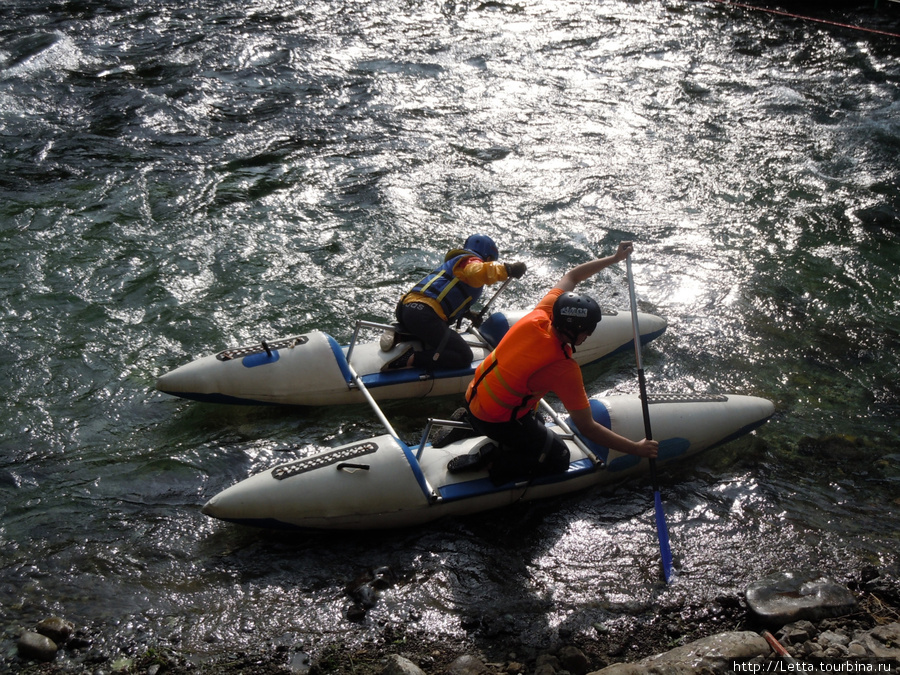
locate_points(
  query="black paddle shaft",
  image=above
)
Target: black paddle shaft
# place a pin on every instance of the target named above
(648, 433)
(645, 408)
(642, 380)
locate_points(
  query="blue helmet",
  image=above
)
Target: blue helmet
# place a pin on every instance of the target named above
(483, 245)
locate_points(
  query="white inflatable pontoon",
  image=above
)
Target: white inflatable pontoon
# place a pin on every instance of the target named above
(313, 369)
(383, 483)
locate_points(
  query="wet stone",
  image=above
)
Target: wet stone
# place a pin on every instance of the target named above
(467, 665)
(883, 642)
(546, 664)
(711, 654)
(573, 660)
(797, 632)
(787, 597)
(57, 629)
(830, 637)
(365, 592)
(299, 663)
(36, 646)
(400, 665)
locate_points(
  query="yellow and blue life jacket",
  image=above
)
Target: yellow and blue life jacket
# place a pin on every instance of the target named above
(453, 295)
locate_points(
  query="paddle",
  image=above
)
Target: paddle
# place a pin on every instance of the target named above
(477, 318)
(661, 530)
(357, 380)
(413, 461)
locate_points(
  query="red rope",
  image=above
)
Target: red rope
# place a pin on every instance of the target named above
(806, 18)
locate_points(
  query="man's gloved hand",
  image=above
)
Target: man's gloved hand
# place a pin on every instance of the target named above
(515, 270)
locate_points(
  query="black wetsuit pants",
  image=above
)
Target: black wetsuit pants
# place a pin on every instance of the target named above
(421, 321)
(527, 448)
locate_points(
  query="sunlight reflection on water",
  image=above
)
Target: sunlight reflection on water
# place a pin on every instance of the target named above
(190, 183)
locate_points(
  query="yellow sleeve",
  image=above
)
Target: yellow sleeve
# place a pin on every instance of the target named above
(477, 273)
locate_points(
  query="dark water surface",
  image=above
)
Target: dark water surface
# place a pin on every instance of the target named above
(181, 177)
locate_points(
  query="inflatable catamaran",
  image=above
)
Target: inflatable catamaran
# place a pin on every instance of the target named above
(382, 482)
(312, 369)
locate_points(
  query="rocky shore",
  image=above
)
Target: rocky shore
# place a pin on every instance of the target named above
(793, 621)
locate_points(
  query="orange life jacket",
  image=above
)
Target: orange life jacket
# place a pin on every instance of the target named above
(499, 390)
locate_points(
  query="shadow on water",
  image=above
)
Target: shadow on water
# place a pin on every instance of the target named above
(522, 578)
(472, 580)
(532, 576)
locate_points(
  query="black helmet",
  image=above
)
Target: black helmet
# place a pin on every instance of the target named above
(574, 314)
(483, 245)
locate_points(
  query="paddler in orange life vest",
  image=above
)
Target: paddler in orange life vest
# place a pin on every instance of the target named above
(533, 359)
(444, 296)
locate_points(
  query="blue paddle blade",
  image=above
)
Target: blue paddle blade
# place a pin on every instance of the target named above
(662, 532)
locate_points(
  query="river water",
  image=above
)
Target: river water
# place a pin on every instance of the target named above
(182, 177)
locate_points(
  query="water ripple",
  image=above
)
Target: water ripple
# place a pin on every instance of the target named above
(181, 179)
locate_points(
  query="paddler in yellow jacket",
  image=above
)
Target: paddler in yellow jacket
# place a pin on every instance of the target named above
(444, 296)
(533, 359)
